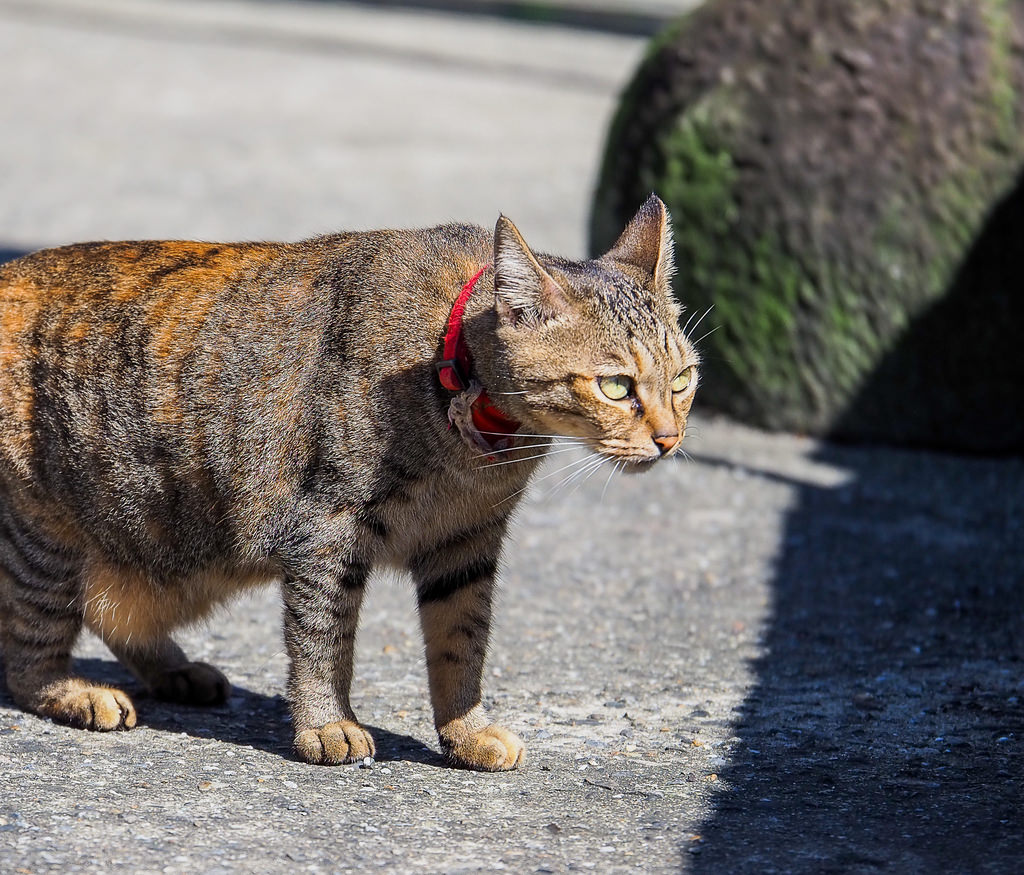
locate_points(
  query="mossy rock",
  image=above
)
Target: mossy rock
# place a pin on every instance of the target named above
(845, 184)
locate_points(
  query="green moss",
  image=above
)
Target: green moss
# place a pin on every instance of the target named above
(761, 301)
(790, 327)
(848, 331)
(955, 214)
(904, 262)
(999, 22)
(755, 290)
(697, 180)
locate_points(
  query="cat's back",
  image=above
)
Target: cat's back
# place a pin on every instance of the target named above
(71, 287)
(80, 316)
(115, 341)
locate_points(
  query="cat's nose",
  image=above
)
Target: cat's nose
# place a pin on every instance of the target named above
(666, 442)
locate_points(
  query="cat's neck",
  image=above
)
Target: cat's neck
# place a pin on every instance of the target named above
(480, 421)
(479, 328)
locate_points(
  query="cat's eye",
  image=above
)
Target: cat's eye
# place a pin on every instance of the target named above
(616, 388)
(680, 383)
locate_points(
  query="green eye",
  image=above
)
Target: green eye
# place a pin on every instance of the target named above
(615, 388)
(680, 383)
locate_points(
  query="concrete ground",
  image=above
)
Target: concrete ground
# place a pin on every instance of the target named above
(778, 656)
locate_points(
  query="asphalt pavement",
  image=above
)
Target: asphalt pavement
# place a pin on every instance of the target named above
(773, 656)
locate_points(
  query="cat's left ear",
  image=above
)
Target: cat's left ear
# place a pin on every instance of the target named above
(647, 242)
(524, 293)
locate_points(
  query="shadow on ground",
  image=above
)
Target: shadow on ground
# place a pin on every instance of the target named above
(887, 730)
(248, 719)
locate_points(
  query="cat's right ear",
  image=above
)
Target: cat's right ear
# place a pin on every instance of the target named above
(524, 293)
(647, 242)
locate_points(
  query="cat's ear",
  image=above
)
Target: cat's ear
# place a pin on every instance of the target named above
(524, 293)
(647, 242)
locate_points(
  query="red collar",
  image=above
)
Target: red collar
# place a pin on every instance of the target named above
(455, 368)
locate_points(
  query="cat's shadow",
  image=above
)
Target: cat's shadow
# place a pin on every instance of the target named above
(247, 719)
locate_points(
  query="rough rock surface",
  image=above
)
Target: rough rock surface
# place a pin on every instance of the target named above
(832, 170)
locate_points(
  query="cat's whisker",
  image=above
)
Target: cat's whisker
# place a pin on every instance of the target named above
(519, 492)
(616, 467)
(608, 480)
(522, 434)
(586, 464)
(688, 321)
(541, 451)
(526, 458)
(537, 446)
(702, 315)
(515, 494)
(572, 464)
(591, 471)
(552, 449)
(584, 474)
(705, 334)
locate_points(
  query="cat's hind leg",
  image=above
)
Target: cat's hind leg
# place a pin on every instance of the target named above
(134, 615)
(41, 604)
(165, 669)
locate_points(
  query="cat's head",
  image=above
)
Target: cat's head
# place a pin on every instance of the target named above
(593, 349)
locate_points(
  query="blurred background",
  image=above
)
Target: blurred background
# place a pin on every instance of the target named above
(227, 119)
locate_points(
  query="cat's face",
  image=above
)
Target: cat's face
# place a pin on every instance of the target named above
(593, 350)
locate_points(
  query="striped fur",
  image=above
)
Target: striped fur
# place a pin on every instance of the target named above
(181, 421)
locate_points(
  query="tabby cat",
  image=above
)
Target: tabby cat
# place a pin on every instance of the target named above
(180, 421)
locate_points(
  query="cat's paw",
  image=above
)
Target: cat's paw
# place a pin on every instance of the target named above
(335, 743)
(193, 684)
(491, 749)
(84, 705)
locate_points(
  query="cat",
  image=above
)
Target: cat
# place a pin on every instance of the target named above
(180, 421)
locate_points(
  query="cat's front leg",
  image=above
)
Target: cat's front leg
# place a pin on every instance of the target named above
(455, 615)
(320, 618)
